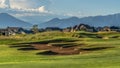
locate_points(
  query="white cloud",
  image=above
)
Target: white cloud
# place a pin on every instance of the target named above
(42, 9)
(31, 5)
(4, 4)
(25, 5)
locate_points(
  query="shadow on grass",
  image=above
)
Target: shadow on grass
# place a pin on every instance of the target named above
(27, 49)
(94, 48)
(20, 45)
(23, 47)
(47, 53)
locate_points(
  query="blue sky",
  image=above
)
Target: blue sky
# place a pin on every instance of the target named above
(38, 11)
(87, 7)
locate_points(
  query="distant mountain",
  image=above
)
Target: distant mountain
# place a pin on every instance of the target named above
(8, 20)
(108, 20)
(56, 22)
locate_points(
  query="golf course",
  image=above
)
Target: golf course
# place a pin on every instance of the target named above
(57, 49)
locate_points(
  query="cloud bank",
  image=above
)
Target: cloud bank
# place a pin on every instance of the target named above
(25, 5)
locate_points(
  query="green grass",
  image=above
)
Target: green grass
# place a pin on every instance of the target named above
(106, 58)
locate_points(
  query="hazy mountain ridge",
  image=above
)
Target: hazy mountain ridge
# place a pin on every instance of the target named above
(8, 20)
(56, 22)
(108, 20)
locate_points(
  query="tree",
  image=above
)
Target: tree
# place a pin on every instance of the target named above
(35, 29)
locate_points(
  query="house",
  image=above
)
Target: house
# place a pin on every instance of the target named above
(15, 30)
(12, 31)
(4, 32)
(106, 28)
(82, 27)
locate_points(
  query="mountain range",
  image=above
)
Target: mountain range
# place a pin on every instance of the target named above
(108, 20)
(8, 20)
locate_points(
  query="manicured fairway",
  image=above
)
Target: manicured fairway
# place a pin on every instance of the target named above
(11, 57)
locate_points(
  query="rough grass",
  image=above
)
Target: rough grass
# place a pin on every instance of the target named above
(106, 58)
